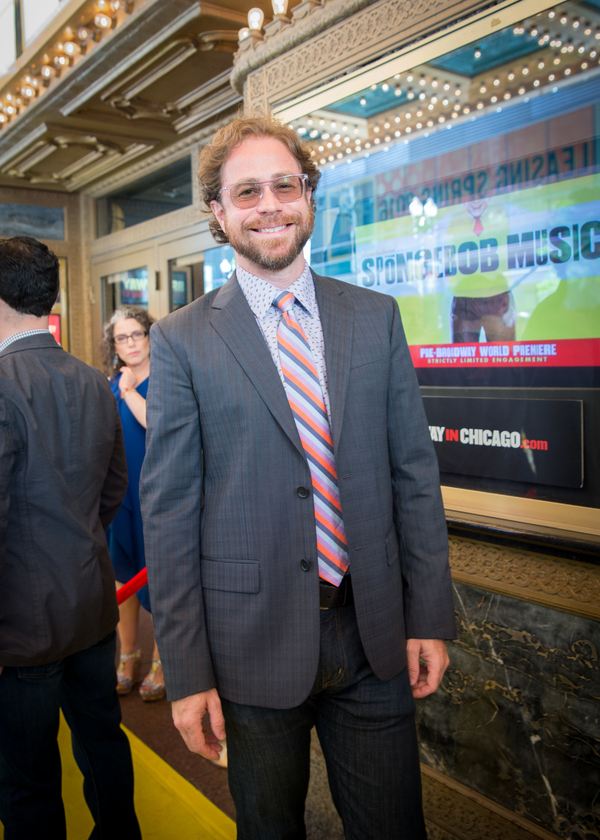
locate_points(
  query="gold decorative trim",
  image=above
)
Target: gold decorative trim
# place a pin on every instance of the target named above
(290, 64)
(565, 585)
(464, 814)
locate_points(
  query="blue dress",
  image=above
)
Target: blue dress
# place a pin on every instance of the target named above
(125, 535)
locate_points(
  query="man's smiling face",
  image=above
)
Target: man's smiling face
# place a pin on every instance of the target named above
(270, 236)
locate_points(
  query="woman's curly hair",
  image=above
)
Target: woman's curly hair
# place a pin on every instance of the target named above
(214, 156)
(107, 345)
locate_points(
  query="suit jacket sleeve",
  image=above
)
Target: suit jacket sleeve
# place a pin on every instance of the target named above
(115, 483)
(418, 509)
(171, 493)
(9, 447)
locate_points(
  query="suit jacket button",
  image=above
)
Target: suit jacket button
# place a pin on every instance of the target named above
(304, 565)
(302, 492)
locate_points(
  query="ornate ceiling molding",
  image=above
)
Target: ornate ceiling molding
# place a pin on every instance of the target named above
(95, 154)
(138, 79)
(155, 161)
(309, 19)
(564, 585)
(310, 52)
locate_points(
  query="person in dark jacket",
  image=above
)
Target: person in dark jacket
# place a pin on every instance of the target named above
(63, 476)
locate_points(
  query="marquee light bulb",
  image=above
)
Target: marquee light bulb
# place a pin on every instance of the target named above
(243, 33)
(256, 17)
(280, 7)
(103, 21)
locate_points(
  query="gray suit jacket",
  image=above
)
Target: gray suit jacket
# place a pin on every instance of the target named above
(232, 605)
(63, 476)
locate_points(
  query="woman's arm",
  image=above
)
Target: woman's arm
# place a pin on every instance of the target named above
(135, 402)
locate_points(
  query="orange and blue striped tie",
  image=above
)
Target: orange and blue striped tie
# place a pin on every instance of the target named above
(305, 396)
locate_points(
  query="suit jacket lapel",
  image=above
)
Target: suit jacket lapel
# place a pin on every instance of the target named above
(337, 320)
(235, 322)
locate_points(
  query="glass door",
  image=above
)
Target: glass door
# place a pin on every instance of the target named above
(124, 288)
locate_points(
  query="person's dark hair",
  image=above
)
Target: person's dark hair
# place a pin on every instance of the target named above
(214, 156)
(29, 280)
(111, 364)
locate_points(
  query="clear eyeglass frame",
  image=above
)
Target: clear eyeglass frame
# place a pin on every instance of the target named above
(276, 185)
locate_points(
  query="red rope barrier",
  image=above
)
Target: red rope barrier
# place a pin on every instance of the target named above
(132, 586)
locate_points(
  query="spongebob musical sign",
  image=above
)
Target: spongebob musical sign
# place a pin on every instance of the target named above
(519, 271)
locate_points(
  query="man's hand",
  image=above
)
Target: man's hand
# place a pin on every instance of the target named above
(187, 717)
(427, 661)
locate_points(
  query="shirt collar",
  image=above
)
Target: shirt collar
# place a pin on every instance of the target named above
(8, 341)
(260, 293)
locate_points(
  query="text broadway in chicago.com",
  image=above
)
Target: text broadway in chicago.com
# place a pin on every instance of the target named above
(485, 437)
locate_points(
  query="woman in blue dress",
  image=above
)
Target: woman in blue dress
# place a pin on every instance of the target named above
(127, 350)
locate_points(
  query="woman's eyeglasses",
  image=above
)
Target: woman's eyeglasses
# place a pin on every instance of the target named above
(285, 189)
(136, 336)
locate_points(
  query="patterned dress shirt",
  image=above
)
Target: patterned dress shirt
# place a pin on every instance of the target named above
(260, 293)
(4, 344)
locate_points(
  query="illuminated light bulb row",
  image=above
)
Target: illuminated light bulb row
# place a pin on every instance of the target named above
(75, 43)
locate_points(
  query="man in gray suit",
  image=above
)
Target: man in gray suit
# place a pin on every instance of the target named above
(63, 476)
(295, 534)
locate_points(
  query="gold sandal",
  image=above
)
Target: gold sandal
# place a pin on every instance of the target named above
(150, 689)
(125, 684)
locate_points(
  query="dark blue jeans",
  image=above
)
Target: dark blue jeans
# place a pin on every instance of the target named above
(367, 731)
(84, 687)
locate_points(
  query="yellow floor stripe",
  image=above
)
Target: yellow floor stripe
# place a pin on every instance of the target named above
(167, 805)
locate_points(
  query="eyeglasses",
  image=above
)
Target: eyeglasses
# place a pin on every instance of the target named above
(136, 336)
(285, 189)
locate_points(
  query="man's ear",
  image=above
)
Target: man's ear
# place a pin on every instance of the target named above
(219, 212)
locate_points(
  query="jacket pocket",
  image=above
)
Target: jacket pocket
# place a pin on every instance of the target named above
(230, 575)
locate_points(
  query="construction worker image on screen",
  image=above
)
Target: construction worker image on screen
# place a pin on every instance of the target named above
(483, 307)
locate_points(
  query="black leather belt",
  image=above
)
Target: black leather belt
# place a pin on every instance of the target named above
(336, 596)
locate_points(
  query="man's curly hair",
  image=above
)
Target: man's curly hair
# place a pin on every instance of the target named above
(214, 156)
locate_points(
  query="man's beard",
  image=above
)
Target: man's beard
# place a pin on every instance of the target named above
(260, 256)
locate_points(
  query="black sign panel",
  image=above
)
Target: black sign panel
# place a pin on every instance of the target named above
(538, 441)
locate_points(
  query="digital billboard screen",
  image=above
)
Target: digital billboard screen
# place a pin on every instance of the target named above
(503, 281)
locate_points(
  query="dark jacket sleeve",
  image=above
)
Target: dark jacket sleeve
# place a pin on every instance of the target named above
(115, 483)
(418, 508)
(170, 493)
(9, 446)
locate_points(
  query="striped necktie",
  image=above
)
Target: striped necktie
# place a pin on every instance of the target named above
(305, 396)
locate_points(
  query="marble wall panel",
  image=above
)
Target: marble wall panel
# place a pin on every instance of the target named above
(518, 716)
